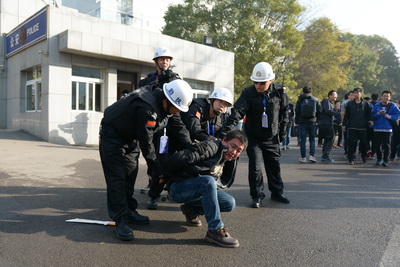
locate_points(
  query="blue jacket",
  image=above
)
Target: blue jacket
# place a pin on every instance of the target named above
(381, 124)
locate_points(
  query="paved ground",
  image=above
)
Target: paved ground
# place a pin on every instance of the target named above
(340, 215)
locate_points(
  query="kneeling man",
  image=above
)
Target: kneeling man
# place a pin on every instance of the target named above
(195, 176)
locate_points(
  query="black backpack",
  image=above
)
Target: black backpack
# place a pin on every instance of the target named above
(308, 108)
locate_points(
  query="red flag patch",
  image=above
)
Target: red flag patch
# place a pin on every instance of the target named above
(151, 124)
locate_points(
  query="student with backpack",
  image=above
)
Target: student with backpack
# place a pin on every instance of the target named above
(307, 112)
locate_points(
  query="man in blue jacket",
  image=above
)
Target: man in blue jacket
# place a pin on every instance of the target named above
(384, 112)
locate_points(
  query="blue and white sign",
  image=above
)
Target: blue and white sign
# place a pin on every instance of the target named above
(31, 31)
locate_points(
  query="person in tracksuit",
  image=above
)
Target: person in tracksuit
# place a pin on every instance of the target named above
(384, 112)
(265, 105)
(130, 121)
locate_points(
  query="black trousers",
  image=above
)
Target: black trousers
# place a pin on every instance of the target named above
(355, 135)
(339, 132)
(382, 144)
(267, 153)
(120, 167)
(395, 142)
(328, 135)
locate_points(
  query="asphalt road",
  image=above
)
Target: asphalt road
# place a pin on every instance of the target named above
(339, 215)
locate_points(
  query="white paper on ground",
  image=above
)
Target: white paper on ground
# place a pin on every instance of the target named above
(77, 220)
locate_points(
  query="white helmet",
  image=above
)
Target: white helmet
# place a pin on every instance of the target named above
(222, 94)
(179, 93)
(162, 52)
(262, 72)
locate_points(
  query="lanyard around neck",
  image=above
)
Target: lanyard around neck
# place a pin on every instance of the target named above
(265, 102)
(210, 128)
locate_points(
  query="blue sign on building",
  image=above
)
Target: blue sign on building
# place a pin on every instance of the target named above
(31, 31)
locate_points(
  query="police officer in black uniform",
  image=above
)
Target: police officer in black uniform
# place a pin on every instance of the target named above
(206, 117)
(265, 105)
(163, 74)
(131, 120)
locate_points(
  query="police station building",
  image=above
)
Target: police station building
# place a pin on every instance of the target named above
(59, 69)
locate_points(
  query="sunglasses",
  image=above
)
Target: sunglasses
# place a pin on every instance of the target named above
(262, 83)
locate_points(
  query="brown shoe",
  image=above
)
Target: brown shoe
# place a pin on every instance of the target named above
(222, 237)
(191, 219)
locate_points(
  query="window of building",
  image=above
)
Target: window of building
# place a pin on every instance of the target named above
(33, 89)
(34, 95)
(200, 88)
(86, 89)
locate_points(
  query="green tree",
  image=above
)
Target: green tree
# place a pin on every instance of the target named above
(363, 66)
(254, 30)
(321, 58)
(389, 77)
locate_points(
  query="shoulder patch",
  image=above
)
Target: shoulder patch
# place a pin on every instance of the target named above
(151, 124)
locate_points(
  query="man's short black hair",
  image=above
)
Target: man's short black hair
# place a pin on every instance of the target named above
(307, 89)
(331, 92)
(240, 135)
(374, 96)
(387, 92)
(358, 89)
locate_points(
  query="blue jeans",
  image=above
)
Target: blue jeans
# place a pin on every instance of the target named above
(286, 141)
(311, 130)
(202, 194)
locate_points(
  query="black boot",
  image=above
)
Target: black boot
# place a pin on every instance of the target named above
(152, 204)
(135, 218)
(122, 229)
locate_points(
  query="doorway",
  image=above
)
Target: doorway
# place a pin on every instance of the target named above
(126, 83)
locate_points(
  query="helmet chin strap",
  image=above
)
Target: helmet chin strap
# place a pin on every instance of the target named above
(169, 105)
(156, 60)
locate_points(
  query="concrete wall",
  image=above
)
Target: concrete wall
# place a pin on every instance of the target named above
(3, 85)
(15, 12)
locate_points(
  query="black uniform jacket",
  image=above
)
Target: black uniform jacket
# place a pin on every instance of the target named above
(198, 121)
(136, 117)
(189, 163)
(159, 80)
(250, 103)
(357, 116)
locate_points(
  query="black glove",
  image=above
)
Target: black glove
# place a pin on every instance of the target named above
(200, 147)
(168, 76)
(157, 185)
(202, 150)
